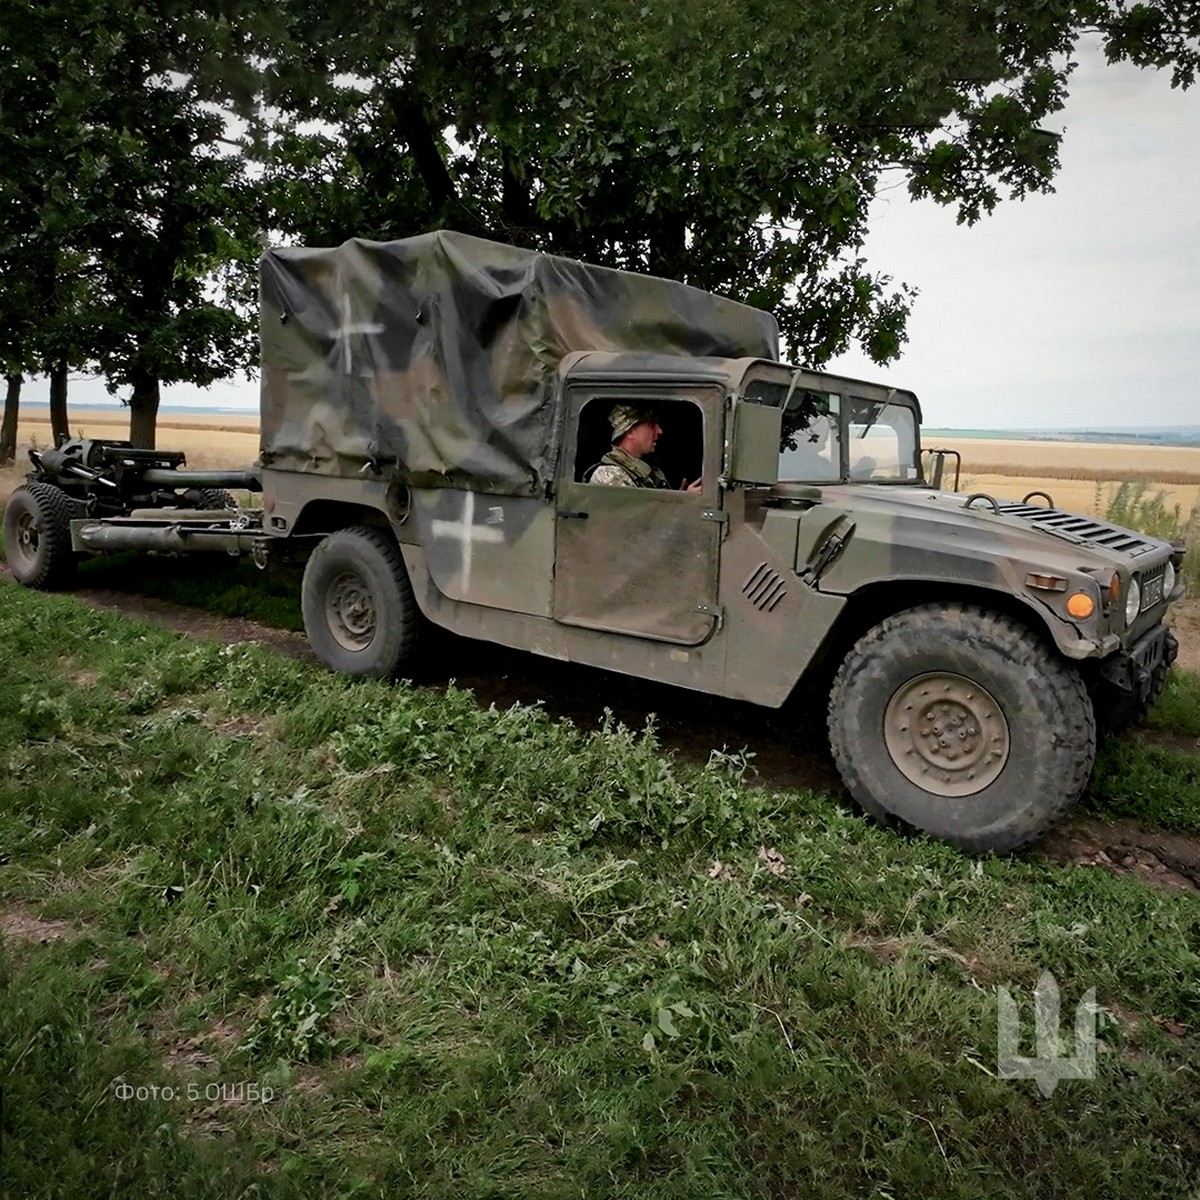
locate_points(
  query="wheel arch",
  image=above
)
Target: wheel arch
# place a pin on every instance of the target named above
(875, 602)
(330, 516)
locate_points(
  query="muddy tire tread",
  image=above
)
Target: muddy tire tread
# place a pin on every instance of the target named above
(401, 635)
(57, 566)
(1061, 686)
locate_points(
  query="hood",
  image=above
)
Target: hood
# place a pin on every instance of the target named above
(1031, 523)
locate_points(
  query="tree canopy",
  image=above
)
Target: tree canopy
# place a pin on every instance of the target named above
(121, 214)
(734, 144)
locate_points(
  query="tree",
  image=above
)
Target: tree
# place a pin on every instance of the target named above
(736, 144)
(179, 216)
(46, 149)
(118, 157)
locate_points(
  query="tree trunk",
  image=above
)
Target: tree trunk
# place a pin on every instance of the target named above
(8, 428)
(143, 411)
(60, 430)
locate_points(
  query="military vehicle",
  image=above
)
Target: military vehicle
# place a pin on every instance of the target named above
(432, 410)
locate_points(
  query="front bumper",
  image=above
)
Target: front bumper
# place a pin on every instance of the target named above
(1133, 670)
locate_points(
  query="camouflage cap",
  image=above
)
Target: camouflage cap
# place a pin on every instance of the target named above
(625, 416)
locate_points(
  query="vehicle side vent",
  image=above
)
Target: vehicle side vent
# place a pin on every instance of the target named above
(1080, 530)
(764, 587)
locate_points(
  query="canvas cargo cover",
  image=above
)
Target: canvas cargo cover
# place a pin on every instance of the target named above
(433, 359)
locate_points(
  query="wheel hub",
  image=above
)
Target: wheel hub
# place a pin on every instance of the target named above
(350, 609)
(27, 535)
(946, 734)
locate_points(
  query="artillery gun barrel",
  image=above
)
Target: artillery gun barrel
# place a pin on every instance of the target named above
(160, 477)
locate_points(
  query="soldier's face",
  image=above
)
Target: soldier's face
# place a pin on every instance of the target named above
(642, 438)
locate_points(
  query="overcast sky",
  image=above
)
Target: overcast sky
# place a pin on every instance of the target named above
(1079, 308)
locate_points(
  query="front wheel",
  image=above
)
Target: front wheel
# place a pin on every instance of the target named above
(963, 724)
(359, 611)
(37, 536)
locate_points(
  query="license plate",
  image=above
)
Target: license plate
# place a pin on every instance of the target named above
(1152, 593)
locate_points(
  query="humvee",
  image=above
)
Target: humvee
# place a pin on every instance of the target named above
(431, 410)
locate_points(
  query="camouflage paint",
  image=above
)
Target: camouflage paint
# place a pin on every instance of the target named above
(439, 381)
(434, 359)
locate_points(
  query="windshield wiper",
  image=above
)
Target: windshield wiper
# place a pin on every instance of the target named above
(879, 407)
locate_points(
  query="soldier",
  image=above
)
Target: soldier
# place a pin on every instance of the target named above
(635, 433)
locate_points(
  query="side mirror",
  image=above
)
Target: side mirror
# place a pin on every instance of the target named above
(752, 436)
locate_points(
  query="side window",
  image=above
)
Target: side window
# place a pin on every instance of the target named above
(678, 449)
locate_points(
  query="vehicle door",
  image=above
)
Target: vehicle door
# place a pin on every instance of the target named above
(635, 560)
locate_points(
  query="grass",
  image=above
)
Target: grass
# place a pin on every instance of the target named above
(482, 953)
(1179, 708)
(215, 582)
(1156, 784)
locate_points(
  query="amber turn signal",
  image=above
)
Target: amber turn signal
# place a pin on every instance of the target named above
(1080, 605)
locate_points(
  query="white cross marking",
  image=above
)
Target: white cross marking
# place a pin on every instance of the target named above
(467, 533)
(346, 330)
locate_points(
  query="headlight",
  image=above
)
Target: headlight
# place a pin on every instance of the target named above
(1133, 602)
(1169, 579)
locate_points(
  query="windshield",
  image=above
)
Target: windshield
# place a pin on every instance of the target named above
(881, 440)
(880, 437)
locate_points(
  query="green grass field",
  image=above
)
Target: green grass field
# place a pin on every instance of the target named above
(482, 953)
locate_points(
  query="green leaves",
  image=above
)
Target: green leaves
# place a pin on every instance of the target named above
(121, 213)
(738, 150)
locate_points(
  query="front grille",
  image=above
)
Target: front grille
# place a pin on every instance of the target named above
(1081, 530)
(764, 587)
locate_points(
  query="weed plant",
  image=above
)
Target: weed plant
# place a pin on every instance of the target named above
(1135, 506)
(473, 952)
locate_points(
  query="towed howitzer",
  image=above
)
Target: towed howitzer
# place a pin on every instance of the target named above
(89, 496)
(111, 478)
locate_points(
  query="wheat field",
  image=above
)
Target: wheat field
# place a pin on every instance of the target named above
(1079, 476)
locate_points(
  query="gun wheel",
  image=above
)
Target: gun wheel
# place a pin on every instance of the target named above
(962, 724)
(216, 498)
(359, 611)
(37, 536)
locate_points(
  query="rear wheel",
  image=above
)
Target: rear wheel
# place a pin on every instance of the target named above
(962, 724)
(359, 611)
(37, 536)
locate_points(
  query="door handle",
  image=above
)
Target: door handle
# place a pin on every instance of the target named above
(573, 516)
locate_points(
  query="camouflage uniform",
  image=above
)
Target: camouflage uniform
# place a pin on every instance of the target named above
(619, 469)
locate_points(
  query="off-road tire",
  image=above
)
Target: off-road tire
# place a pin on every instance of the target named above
(1117, 712)
(1004, 685)
(359, 611)
(216, 498)
(37, 536)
